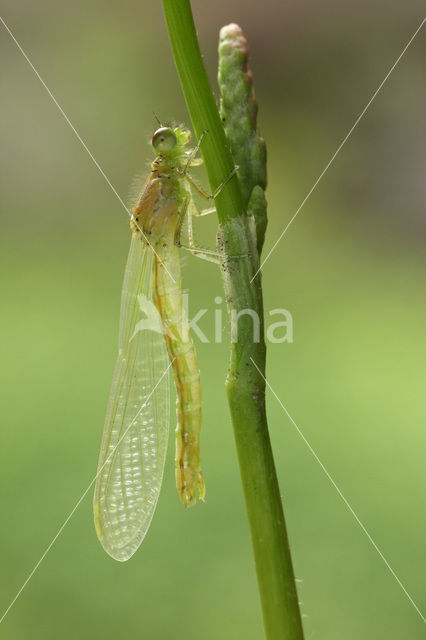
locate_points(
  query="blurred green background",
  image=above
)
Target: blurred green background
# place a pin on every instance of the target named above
(351, 270)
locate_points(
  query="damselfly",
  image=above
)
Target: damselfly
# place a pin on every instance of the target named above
(154, 336)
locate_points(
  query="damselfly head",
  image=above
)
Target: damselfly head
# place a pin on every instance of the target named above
(168, 140)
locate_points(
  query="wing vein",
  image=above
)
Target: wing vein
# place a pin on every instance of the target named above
(134, 440)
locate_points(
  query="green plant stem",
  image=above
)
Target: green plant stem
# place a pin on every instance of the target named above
(245, 385)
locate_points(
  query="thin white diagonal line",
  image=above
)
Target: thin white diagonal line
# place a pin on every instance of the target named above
(341, 494)
(80, 500)
(84, 145)
(333, 157)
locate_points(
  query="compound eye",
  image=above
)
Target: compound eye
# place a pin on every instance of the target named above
(163, 139)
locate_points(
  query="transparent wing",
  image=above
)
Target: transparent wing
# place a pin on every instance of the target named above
(134, 441)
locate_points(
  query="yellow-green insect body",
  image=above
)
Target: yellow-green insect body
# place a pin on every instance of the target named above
(158, 215)
(134, 440)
